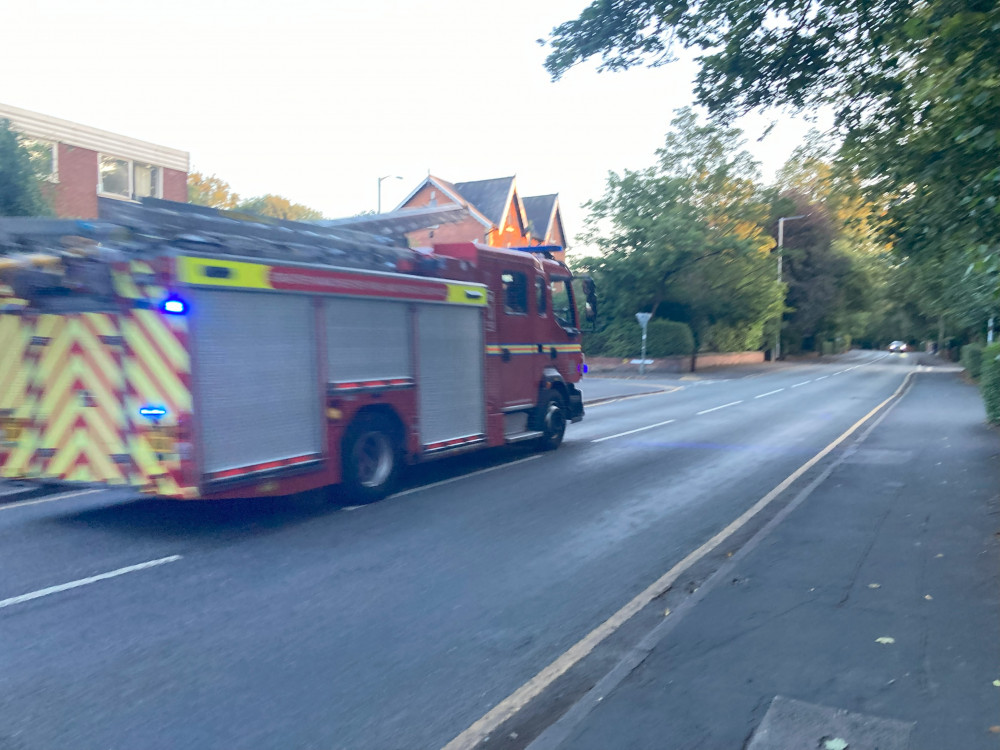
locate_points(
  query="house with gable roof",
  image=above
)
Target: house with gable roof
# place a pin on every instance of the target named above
(498, 216)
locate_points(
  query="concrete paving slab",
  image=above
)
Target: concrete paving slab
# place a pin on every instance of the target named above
(789, 723)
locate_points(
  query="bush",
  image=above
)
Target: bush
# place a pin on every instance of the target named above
(723, 338)
(623, 338)
(989, 382)
(972, 359)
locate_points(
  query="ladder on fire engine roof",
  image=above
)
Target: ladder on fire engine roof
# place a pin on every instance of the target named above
(136, 229)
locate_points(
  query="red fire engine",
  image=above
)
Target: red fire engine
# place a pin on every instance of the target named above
(196, 353)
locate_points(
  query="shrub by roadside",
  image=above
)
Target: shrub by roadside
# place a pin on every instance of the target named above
(989, 382)
(972, 359)
(664, 338)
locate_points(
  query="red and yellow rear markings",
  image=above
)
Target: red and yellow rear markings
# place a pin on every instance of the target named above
(265, 466)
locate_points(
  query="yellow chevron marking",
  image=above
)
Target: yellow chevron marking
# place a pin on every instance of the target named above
(152, 324)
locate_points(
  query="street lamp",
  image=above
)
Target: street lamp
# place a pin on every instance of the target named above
(387, 177)
(781, 244)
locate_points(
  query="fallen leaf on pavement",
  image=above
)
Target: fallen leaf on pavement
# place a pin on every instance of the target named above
(835, 744)
(885, 640)
(874, 585)
(928, 597)
(996, 683)
(666, 612)
(995, 729)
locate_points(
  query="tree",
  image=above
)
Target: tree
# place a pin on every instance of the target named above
(278, 208)
(914, 85)
(210, 191)
(20, 192)
(684, 239)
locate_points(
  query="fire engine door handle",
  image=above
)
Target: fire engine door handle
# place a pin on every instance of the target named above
(505, 355)
(553, 353)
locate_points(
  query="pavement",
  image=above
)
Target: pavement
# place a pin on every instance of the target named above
(864, 615)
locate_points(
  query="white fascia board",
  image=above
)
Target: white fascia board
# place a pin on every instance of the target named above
(44, 127)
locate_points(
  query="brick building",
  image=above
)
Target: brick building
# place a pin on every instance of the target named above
(498, 216)
(82, 163)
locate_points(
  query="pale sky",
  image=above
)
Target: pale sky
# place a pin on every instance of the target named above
(316, 100)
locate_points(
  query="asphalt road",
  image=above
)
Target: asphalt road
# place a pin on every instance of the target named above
(291, 624)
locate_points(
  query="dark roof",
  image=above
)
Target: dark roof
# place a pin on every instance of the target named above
(538, 211)
(490, 197)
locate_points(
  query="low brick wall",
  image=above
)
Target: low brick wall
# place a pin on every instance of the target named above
(704, 361)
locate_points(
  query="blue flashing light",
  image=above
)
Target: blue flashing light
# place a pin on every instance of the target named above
(153, 412)
(174, 306)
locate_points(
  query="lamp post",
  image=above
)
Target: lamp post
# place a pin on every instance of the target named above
(781, 244)
(387, 177)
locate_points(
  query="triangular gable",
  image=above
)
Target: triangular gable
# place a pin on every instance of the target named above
(453, 193)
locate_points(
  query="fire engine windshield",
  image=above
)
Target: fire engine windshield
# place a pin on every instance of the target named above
(563, 305)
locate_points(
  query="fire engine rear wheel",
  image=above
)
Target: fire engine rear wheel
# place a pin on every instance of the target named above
(372, 456)
(552, 422)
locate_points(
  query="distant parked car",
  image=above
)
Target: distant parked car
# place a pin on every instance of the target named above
(897, 346)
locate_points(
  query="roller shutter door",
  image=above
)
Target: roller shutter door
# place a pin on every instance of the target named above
(450, 372)
(255, 377)
(367, 340)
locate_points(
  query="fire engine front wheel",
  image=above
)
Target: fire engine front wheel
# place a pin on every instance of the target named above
(372, 456)
(552, 422)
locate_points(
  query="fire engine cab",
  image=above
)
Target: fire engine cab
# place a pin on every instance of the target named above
(196, 353)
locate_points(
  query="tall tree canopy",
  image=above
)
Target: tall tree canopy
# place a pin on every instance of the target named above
(915, 85)
(20, 191)
(685, 238)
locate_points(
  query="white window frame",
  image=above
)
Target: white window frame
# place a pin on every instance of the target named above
(158, 188)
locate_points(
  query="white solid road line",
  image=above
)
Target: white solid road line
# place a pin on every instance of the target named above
(513, 703)
(716, 408)
(804, 382)
(770, 393)
(423, 487)
(50, 498)
(630, 432)
(86, 581)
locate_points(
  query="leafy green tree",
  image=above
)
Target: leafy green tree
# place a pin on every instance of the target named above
(685, 238)
(20, 191)
(210, 191)
(278, 208)
(915, 87)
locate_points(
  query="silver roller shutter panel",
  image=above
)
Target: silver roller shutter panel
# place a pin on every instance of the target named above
(367, 339)
(450, 372)
(256, 377)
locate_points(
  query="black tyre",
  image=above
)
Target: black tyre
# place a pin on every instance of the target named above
(372, 456)
(552, 422)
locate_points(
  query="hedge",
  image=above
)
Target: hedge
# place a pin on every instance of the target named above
(989, 382)
(623, 338)
(972, 359)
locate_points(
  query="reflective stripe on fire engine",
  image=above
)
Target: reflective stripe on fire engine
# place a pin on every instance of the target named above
(532, 348)
(244, 275)
(265, 466)
(453, 443)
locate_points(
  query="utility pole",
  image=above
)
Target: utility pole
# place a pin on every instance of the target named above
(781, 313)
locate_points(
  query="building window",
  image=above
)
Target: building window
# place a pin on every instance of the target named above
(147, 181)
(123, 178)
(515, 292)
(44, 156)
